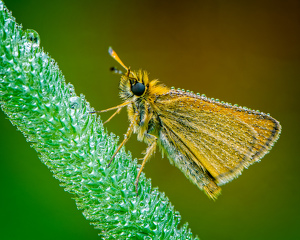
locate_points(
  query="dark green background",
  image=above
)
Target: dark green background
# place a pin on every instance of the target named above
(244, 52)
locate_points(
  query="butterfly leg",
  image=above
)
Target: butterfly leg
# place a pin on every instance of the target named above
(126, 138)
(119, 107)
(152, 142)
(113, 108)
(116, 112)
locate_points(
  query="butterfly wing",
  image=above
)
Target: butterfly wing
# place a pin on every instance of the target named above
(218, 140)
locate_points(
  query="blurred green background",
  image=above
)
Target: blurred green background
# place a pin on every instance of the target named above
(245, 52)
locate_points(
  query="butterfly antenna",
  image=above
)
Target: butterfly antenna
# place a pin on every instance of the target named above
(116, 57)
(116, 71)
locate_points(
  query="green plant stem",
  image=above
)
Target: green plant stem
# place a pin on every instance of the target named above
(73, 144)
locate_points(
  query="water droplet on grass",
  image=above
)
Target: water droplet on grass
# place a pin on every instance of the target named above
(33, 37)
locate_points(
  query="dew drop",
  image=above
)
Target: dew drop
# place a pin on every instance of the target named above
(74, 102)
(32, 37)
(15, 51)
(71, 88)
(32, 40)
(26, 67)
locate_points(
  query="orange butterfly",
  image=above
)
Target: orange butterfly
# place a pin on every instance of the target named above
(210, 141)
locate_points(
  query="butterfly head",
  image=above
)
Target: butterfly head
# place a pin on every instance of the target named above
(133, 84)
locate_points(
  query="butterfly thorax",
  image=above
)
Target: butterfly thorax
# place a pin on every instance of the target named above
(140, 110)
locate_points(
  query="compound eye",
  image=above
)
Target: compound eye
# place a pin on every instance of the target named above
(138, 89)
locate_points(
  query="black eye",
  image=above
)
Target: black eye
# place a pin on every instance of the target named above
(138, 89)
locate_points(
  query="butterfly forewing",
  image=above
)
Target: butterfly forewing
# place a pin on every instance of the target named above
(219, 138)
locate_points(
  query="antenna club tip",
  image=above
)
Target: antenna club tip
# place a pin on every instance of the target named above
(110, 50)
(114, 55)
